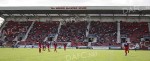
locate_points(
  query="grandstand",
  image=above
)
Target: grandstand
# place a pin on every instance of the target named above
(95, 27)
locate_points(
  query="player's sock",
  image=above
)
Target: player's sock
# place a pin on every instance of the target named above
(55, 50)
(48, 50)
(39, 50)
(125, 53)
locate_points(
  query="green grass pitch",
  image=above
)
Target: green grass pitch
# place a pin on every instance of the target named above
(28, 54)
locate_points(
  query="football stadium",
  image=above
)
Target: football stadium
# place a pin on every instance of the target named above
(75, 33)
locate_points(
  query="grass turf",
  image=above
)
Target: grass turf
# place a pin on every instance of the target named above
(28, 54)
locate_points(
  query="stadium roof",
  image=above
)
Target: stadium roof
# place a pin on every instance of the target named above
(8, 11)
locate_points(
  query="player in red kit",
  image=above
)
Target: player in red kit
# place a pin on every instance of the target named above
(55, 47)
(126, 48)
(40, 46)
(48, 45)
(44, 46)
(65, 45)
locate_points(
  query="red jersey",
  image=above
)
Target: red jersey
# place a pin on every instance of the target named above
(65, 44)
(40, 45)
(55, 44)
(126, 45)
